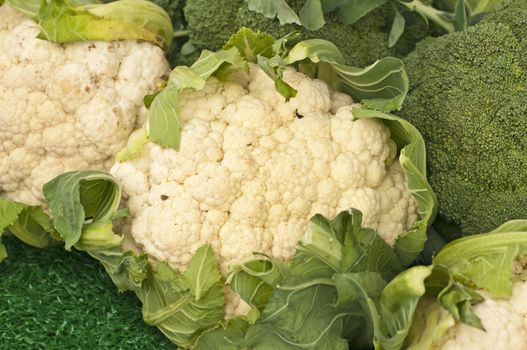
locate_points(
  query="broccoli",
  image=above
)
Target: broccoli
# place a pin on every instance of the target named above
(467, 97)
(212, 22)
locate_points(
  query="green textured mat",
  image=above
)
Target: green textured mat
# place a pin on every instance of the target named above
(52, 299)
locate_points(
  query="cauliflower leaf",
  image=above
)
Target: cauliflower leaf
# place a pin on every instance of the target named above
(124, 19)
(28, 223)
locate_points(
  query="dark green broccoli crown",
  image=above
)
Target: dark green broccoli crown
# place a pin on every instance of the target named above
(212, 22)
(468, 97)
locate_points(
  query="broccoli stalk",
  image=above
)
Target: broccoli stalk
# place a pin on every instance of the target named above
(467, 97)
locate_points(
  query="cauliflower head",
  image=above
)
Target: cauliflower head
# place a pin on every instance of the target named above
(505, 322)
(252, 169)
(66, 107)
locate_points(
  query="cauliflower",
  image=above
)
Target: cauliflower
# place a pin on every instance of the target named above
(242, 154)
(473, 296)
(505, 322)
(66, 107)
(252, 169)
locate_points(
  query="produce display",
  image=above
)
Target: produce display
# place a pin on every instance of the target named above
(286, 174)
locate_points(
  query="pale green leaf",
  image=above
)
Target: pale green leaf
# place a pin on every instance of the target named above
(225, 337)
(392, 315)
(412, 158)
(163, 114)
(63, 22)
(34, 228)
(486, 260)
(350, 11)
(29, 224)
(460, 15)
(202, 272)
(251, 44)
(429, 324)
(397, 29)
(175, 311)
(381, 86)
(140, 13)
(134, 146)
(163, 118)
(311, 15)
(274, 8)
(9, 212)
(254, 281)
(31, 7)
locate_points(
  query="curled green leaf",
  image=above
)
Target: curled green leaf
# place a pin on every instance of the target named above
(412, 158)
(63, 22)
(78, 198)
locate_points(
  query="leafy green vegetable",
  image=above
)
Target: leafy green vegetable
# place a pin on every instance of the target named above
(255, 281)
(397, 29)
(350, 11)
(392, 311)
(64, 21)
(170, 302)
(311, 15)
(475, 9)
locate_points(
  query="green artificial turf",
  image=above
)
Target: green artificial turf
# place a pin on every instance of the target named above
(53, 299)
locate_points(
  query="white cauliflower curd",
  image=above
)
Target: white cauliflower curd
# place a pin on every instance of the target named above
(252, 170)
(66, 107)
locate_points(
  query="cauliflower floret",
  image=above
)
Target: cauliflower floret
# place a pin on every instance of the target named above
(66, 107)
(252, 169)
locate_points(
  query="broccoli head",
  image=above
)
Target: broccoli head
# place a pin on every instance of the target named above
(212, 22)
(468, 93)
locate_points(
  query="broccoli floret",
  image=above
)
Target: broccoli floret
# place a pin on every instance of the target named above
(514, 14)
(212, 22)
(467, 97)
